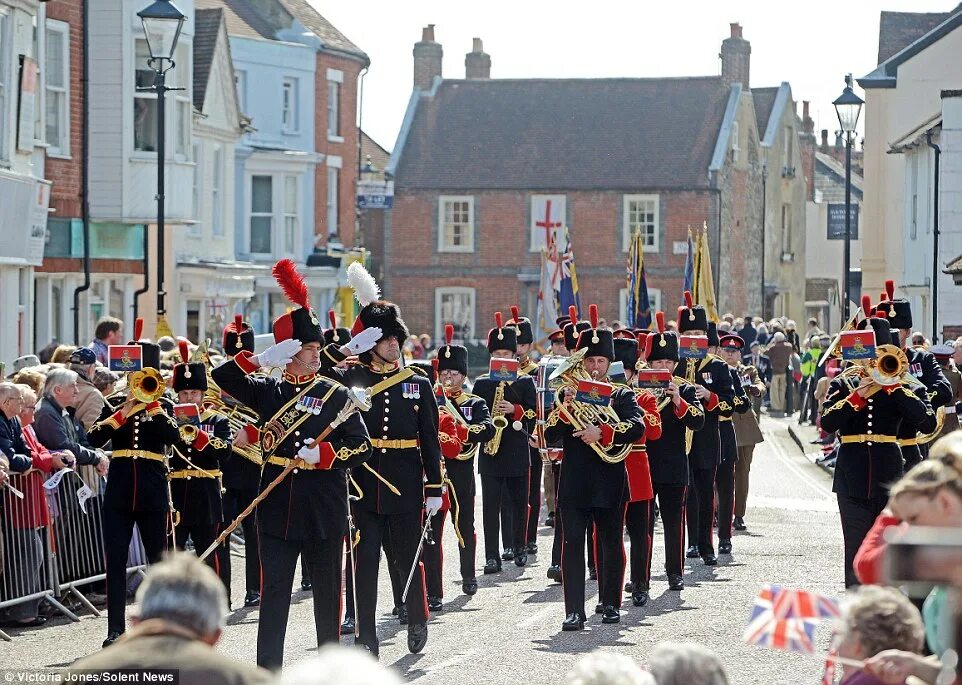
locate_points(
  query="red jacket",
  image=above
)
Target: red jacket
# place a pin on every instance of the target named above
(871, 554)
(32, 510)
(636, 464)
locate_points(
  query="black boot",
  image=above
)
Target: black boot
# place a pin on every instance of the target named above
(554, 573)
(347, 625)
(610, 615)
(402, 616)
(675, 581)
(507, 555)
(417, 637)
(692, 552)
(435, 604)
(252, 599)
(492, 566)
(573, 622)
(724, 546)
(520, 557)
(739, 523)
(469, 586)
(639, 597)
(112, 637)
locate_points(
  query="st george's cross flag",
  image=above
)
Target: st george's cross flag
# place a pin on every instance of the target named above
(783, 618)
(558, 287)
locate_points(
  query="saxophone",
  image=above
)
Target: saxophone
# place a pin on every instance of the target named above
(498, 419)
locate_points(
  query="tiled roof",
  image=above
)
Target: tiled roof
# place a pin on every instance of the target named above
(764, 99)
(898, 30)
(564, 134)
(830, 180)
(379, 156)
(206, 29)
(241, 18)
(321, 27)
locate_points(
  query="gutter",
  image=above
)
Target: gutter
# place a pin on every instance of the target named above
(84, 173)
(935, 238)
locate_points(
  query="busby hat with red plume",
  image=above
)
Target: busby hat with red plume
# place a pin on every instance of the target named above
(149, 351)
(375, 312)
(188, 375)
(523, 326)
(692, 317)
(597, 341)
(662, 344)
(301, 323)
(451, 356)
(238, 336)
(502, 337)
(336, 335)
(879, 324)
(573, 328)
(897, 311)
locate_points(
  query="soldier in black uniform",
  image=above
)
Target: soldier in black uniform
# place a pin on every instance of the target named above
(867, 417)
(922, 364)
(242, 472)
(682, 416)
(504, 462)
(403, 422)
(307, 512)
(725, 476)
(195, 477)
(592, 490)
(715, 390)
(474, 426)
(137, 489)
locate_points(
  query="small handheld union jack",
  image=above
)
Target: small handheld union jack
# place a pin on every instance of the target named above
(783, 618)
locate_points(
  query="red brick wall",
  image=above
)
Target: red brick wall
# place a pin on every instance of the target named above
(65, 173)
(413, 268)
(346, 150)
(97, 266)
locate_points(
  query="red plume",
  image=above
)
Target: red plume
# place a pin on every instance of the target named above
(642, 339)
(688, 300)
(516, 313)
(573, 313)
(448, 333)
(883, 297)
(238, 323)
(660, 321)
(291, 282)
(867, 305)
(138, 329)
(332, 317)
(649, 341)
(890, 289)
(593, 315)
(434, 365)
(681, 312)
(184, 350)
(498, 320)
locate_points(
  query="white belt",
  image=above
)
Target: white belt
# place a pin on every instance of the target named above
(949, 409)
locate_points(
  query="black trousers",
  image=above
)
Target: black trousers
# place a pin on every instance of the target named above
(235, 501)
(725, 485)
(671, 505)
(558, 523)
(494, 491)
(608, 524)
(118, 530)
(203, 535)
(639, 522)
(534, 497)
(912, 455)
(397, 587)
(701, 509)
(279, 560)
(433, 557)
(858, 515)
(405, 530)
(461, 474)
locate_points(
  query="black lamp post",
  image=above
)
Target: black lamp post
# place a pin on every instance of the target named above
(162, 22)
(848, 107)
(764, 230)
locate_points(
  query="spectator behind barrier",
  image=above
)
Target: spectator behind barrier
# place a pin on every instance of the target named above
(15, 453)
(54, 425)
(62, 354)
(607, 668)
(31, 378)
(686, 663)
(89, 404)
(182, 604)
(337, 665)
(105, 381)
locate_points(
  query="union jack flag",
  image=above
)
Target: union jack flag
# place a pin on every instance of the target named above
(783, 618)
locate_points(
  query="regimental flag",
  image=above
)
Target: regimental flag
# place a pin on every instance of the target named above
(638, 304)
(693, 347)
(689, 267)
(857, 344)
(786, 619)
(124, 358)
(186, 414)
(559, 281)
(503, 370)
(654, 379)
(594, 392)
(703, 286)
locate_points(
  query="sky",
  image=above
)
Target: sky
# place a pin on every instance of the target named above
(812, 45)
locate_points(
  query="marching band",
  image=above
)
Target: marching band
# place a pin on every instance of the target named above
(345, 451)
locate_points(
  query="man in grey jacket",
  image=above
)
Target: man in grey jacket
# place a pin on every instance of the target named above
(55, 426)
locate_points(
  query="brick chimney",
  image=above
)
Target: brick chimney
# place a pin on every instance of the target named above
(427, 59)
(477, 63)
(824, 145)
(735, 56)
(808, 124)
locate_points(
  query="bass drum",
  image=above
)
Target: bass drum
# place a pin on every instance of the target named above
(545, 401)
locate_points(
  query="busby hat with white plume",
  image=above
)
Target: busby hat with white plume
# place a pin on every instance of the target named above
(375, 313)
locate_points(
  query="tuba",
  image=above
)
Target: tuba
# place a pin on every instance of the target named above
(580, 414)
(146, 385)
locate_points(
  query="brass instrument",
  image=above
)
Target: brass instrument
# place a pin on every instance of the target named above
(498, 419)
(889, 366)
(188, 433)
(580, 414)
(146, 385)
(238, 417)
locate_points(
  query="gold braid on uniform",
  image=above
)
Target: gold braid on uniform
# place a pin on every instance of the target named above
(621, 427)
(475, 428)
(457, 509)
(724, 406)
(346, 453)
(529, 414)
(552, 418)
(444, 437)
(652, 418)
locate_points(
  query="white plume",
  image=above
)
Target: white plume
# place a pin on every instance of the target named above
(365, 287)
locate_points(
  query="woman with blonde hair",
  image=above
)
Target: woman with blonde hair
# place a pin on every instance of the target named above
(62, 354)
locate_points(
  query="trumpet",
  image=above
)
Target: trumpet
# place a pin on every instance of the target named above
(146, 385)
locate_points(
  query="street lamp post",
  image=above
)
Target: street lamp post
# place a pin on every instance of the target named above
(162, 22)
(764, 229)
(848, 107)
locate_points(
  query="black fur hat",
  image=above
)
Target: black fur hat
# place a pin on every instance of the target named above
(897, 311)
(502, 337)
(626, 352)
(452, 356)
(188, 375)
(384, 315)
(599, 342)
(234, 343)
(149, 351)
(301, 323)
(661, 344)
(523, 326)
(692, 317)
(712, 334)
(335, 335)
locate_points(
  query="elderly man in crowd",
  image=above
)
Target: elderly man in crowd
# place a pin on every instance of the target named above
(55, 425)
(89, 403)
(601, 667)
(182, 607)
(25, 517)
(686, 663)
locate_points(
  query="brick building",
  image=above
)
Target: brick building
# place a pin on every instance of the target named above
(477, 161)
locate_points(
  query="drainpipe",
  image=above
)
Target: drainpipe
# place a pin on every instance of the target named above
(358, 241)
(84, 174)
(146, 265)
(935, 240)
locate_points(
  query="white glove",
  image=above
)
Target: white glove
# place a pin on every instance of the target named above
(279, 354)
(310, 452)
(432, 505)
(364, 341)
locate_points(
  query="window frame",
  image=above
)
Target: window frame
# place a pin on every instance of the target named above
(240, 87)
(735, 148)
(468, 246)
(217, 192)
(293, 214)
(251, 214)
(333, 209)
(439, 293)
(62, 29)
(289, 85)
(626, 221)
(786, 226)
(196, 229)
(533, 230)
(334, 110)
